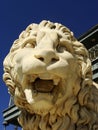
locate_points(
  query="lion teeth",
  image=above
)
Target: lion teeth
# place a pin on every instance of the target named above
(33, 78)
(28, 94)
(56, 81)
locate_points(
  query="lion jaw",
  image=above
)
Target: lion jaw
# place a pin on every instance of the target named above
(43, 102)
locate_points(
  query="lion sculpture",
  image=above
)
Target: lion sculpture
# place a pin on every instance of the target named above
(48, 73)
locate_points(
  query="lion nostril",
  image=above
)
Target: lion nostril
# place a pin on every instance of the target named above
(41, 58)
(53, 60)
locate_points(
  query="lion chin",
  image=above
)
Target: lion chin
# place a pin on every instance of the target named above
(48, 73)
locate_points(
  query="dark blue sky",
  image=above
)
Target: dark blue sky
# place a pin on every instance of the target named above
(16, 15)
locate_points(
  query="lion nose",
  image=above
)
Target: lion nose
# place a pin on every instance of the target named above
(47, 56)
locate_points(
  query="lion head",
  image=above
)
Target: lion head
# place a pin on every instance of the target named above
(48, 72)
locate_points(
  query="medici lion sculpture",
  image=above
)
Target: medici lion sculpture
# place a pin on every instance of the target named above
(48, 73)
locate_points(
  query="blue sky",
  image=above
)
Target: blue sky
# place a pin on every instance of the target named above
(16, 15)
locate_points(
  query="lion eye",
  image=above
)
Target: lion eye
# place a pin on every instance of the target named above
(61, 48)
(29, 45)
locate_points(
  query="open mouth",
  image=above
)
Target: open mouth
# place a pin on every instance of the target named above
(44, 85)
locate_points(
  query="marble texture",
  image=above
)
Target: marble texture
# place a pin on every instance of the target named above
(48, 72)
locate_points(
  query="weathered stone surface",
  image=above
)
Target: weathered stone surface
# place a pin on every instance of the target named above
(48, 72)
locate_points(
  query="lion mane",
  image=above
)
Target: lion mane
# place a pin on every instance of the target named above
(77, 112)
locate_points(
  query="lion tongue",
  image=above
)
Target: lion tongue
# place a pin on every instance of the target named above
(43, 85)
